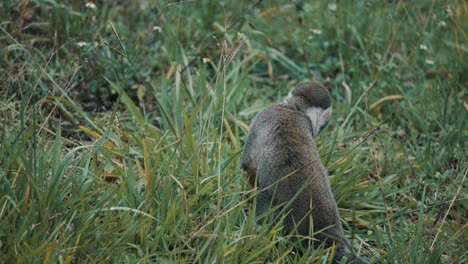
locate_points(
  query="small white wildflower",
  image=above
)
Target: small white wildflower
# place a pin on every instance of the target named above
(206, 60)
(448, 12)
(156, 28)
(332, 7)
(317, 31)
(241, 36)
(90, 5)
(442, 23)
(81, 43)
(422, 47)
(429, 61)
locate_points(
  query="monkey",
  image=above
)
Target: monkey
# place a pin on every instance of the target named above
(280, 156)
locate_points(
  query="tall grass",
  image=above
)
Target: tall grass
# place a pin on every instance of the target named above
(122, 127)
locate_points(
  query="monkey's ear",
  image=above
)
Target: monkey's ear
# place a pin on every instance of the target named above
(325, 116)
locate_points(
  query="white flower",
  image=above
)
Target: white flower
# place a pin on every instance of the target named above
(81, 44)
(90, 5)
(442, 23)
(206, 60)
(156, 28)
(241, 36)
(422, 47)
(332, 7)
(429, 61)
(317, 31)
(448, 12)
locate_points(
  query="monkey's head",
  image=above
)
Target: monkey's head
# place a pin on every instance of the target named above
(315, 101)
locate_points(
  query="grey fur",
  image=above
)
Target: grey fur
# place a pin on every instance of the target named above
(281, 156)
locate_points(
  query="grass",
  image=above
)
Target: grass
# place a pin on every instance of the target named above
(122, 127)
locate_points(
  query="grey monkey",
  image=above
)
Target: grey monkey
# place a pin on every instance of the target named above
(281, 156)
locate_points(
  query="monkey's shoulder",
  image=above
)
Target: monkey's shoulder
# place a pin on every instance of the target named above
(281, 118)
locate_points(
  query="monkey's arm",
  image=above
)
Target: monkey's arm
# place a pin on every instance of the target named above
(249, 166)
(251, 173)
(248, 161)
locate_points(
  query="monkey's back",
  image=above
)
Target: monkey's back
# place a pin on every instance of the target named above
(287, 162)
